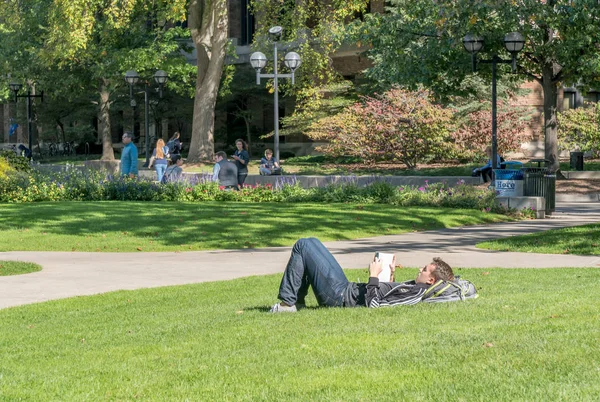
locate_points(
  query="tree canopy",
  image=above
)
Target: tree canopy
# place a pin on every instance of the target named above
(420, 42)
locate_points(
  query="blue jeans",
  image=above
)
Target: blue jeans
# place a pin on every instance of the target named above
(311, 264)
(160, 171)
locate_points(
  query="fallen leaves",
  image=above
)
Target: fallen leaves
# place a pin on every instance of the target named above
(488, 344)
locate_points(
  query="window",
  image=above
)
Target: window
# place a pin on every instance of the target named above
(247, 23)
(592, 97)
(568, 100)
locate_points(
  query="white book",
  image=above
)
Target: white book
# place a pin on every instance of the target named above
(386, 262)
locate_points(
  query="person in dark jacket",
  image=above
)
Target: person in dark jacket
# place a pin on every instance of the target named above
(225, 172)
(242, 158)
(311, 264)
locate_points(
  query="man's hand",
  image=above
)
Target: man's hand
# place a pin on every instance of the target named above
(375, 269)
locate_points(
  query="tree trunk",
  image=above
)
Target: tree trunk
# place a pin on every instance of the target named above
(550, 89)
(550, 71)
(108, 153)
(208, 22)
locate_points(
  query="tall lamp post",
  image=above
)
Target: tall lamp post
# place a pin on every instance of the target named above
(16, 87)
(514, 43)
(132, 78)
(292, 60)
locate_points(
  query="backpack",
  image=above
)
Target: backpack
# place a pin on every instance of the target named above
(446, 291)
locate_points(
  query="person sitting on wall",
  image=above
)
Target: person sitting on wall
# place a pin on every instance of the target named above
(24, 151)
(486, 170)
(268, 164)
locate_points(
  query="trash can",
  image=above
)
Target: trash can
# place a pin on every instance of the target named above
(576, 161)
(540, 182)
(509, 182)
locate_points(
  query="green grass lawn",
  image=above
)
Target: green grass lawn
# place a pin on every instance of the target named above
(8, 268)
(531, 335)
(171, 226)
(582, 240)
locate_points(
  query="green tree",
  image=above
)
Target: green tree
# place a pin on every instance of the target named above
(420, 42)
(315, 29)
(89, 44)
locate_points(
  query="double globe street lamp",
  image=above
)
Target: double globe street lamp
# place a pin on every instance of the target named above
(258, 61)
(16, 87)
(513, 42)
(132, 78)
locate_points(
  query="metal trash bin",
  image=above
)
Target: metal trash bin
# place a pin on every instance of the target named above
(576, 161)
(508, 182)
(540, 182)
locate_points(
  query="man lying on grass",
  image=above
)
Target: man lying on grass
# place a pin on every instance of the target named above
(311, 264)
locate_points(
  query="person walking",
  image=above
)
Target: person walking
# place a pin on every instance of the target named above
(160, 159)
(175, 145)
(129, 156)
(242, 158)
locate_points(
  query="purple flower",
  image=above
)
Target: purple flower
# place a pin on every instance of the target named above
(421, 188)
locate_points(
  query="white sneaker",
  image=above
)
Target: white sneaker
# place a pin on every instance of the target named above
(278, 308)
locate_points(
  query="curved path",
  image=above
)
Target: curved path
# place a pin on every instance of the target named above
(68, 274)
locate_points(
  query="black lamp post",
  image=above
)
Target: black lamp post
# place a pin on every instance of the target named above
(514, 43)
(132, 78)
(16, 87)
(292, 60)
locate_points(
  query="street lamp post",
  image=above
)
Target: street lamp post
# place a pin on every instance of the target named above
(292, 60)
(132, 78)
(16, 87)
(514, 43)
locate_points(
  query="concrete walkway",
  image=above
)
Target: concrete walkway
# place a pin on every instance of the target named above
(68, 274)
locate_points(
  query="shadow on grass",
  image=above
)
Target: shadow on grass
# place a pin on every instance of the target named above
(220, 225)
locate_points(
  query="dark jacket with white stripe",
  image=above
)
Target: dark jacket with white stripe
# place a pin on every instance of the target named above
(386, 294)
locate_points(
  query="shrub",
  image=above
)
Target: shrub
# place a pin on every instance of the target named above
(473, 133)
(399, 125)
(5, 168)
(15, 161)
(76, 185)
(579, 129)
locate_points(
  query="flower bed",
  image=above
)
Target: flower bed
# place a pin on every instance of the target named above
(76, 185)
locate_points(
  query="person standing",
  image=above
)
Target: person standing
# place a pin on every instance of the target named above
(175, 145)
(242, 158)
(159, 159)
(225, 172)
(129, 156)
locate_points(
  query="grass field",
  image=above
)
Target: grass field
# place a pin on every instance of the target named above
(582, 240)
(531, 335)
(155, 226)
(8, 268)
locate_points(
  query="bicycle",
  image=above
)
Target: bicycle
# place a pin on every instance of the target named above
(52, 149)
(69, 148)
